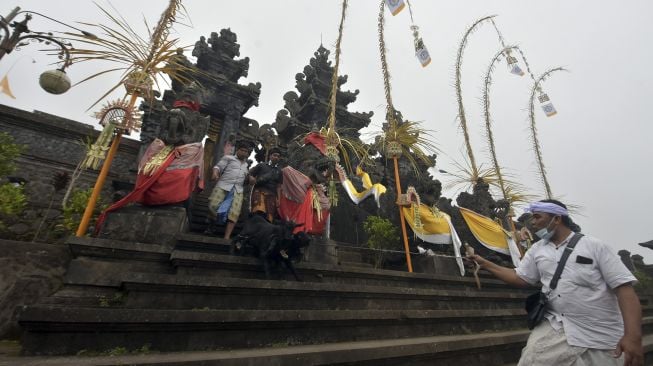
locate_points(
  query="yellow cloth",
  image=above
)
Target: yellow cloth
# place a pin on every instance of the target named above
(375, 189)
(432, 224)
(486, 231)
(491, 235)
(436, 228)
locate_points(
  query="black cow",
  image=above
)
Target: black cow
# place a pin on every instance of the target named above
(272, 243)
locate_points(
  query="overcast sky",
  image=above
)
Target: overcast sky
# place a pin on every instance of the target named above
(597, 148)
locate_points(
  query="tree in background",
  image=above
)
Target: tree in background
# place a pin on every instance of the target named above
(12, 197)
(382, 236)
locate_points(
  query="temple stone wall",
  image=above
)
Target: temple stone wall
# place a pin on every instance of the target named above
(28, 272)
(54, 144)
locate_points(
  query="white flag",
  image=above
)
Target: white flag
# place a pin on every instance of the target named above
(423, 56)
(517, 70)
(549, 109)
(395, 6)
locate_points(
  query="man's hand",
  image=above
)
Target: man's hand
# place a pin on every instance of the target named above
(475, 258)
(632, 347)
(215, 174)
(631, 342)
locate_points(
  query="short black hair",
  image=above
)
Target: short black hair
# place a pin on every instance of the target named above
(555, 202)
(275, 150)
(244, 144)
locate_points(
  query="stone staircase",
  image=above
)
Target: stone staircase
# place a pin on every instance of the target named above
(211, 308)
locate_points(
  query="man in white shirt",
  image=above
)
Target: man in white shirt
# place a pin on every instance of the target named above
(230, 172)
(593, 316)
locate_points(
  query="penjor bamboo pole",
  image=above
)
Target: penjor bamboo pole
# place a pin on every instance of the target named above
(99, 183)
(401, 216)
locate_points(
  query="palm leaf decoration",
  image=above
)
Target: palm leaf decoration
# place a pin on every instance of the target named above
(537, 148)
(462, 119)
(414, 142)
(139, 59)
(465, 177)
(517, 193)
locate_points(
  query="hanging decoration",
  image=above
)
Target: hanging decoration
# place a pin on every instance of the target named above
(116, 116)
(421, 52)
(511, 61)
(420, 49)
(97, 152)
(369, 188)
(120, 113)
(513, 66)
(537, 148)
(436, 228)
(491, 235)
(5, 88)
(395, 6)
(546, 104)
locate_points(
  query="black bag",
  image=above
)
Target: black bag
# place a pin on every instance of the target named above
(536, 308)
(536, 303)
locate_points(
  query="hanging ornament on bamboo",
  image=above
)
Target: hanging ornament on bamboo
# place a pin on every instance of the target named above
(97, 152)
(513, 65)
(546, 105)
(420, 49)
(395, 6)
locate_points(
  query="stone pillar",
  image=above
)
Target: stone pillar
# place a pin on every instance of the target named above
(627, 261)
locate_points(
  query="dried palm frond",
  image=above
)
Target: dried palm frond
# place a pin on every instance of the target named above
(517, 194)
(466, 177)
(137, 57)
(415, 142)
(536, 142)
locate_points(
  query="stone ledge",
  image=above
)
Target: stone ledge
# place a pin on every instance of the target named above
(403, 350)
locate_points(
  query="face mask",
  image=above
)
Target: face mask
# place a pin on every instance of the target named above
(544, 233)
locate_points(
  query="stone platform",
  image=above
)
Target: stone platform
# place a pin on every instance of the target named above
(143, 301)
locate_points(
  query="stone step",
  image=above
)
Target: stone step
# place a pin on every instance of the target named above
(142, 290)
(485, 349)
(488, 349)
(217, 265)
(64, 330)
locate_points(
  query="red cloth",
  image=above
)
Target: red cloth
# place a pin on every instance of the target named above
(172, 186)
(173, 182)
(317, 140)
(143, 183)
(303, 214)
(186, 104)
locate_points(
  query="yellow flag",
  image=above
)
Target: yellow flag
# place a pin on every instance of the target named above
(5, 89)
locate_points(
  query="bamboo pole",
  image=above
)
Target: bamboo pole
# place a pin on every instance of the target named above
(401, 216)
(99, 183)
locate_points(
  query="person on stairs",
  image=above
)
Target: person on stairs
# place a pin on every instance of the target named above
(592, 314)
(226, 199)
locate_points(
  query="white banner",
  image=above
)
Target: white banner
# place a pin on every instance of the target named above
(395, 6)
(423, 56)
